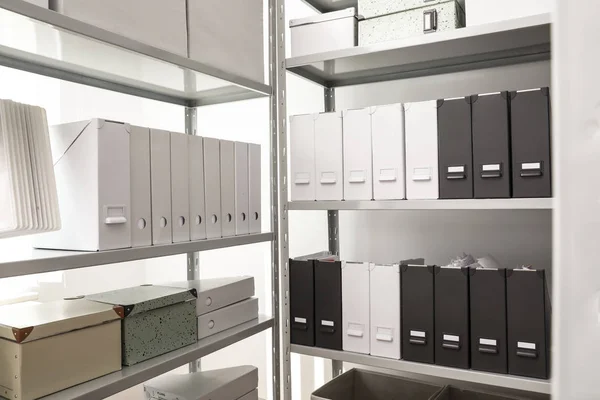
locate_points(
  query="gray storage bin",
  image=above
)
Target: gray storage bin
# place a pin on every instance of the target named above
(357, 384)
(454, 393)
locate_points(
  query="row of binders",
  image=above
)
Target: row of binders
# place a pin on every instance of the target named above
(470, 314)
(94, 335)
(28, 199)
(494, 145)
(123, 186)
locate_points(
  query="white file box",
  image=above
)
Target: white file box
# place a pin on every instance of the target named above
(358, 171)
(212, 187)
(385, 310)
(227, 317)
(92, 168)
(141, 208)
(387, 131)
(422, 181)
(196, 175)
(302, 154)
(254, 186)
(227, 163)
(328, 156)
(180, 190)
(242, 195)
(160, 174)
(355, 307)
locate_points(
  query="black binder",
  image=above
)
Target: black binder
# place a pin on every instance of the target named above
(530, 135)
(452, 343)
(491, 146)
(302, 306)
(528, 320)
(455, 149)
(328, 304)
(488, 320)
(417, 307)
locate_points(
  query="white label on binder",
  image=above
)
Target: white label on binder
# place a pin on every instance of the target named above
(526, 345)
(384, 334)
(417, 334)
(452, 338)
(355, 330)
(488, 342)
(358, 176)
(302, 178)
(456, 169)
(300, 320)
(328, 178)
(387, 175)
(535, 165)
(421, 174)
(327, 323)
(490, 167)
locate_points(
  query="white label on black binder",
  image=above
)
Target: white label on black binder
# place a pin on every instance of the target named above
(533, 165)
(300, 320)
(456, 169)
(526, 345)
(452, 338)
(417, 334)
(487, 342)
(490, 167)
(327, 323)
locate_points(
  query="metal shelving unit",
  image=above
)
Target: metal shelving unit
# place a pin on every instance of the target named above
(483, 204)
(148, 72)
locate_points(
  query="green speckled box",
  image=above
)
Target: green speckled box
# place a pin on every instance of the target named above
(157, 320)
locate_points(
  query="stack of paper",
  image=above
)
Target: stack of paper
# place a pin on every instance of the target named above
(28, 197)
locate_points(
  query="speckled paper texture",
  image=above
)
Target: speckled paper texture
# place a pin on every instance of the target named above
(409, 23)
(378, 8)
(159, 331)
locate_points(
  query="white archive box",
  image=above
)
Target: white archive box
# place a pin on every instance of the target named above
(329, 167)
(212, 187)
(488, 11)
(358, 166)
(355, 307)
(155, 22)
(227, 317)
(241, 39)
(422, 175)
(227, 162)
(217, 293)
(242, 195)
(324, 32)
(254, 188)
(387, 133)
(302, 153)
(92, 169)
(220, 384)
(141, 206)
(196, 179)
(385, 310)
(180, 189)
(160, 177)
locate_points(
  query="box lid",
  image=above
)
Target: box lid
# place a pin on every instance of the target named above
(330, 16)
(376, 9)
(140, 299)
(26, 322)
(217, 293)
(222, 384)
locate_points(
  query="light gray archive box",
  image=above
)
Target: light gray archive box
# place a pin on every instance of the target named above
(160, 174)
(227, 317)
(92, 168)
(240, 48)
(212, 187)
(237, 383)
(324, 32)
(180, 190)
(430, 17)
(242, 195)
(302, 157)
(254, 188)
(355, 307)
(328, 156)
(196, 178)
(358, 163)
(141, 206)
(227, 166)
(158, 23)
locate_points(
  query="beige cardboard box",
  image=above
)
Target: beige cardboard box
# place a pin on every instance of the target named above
(48, 347)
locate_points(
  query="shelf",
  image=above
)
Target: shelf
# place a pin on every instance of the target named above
(506, 381)
(131, 376)
(48, 43)
(503, 43)
(324, 6)
(40, 261)
(469, 204)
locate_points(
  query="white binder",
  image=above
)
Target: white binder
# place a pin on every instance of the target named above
(160, 174)
(421, 150)
(254, 185)
(227, 188)
(387, 131)
(141, 208)
(242, 195)
(302, 155)
(196, 175)
(355, 307)
(358, 171)
(328, 156)
(227, 317)
(385, 310)
(180, 192)
(212, 187)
